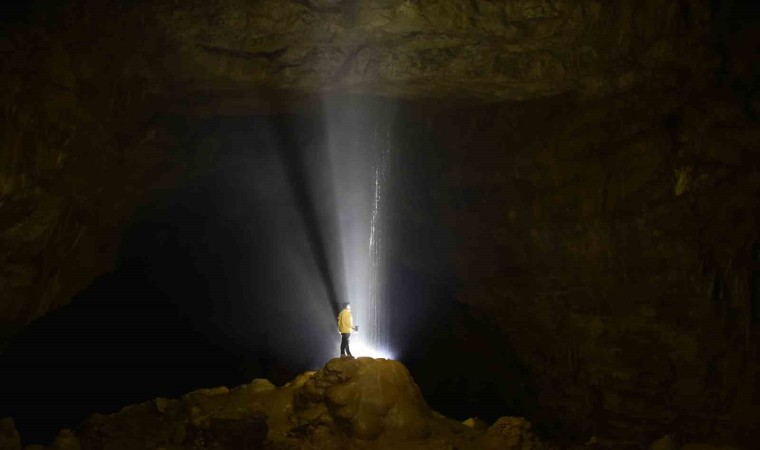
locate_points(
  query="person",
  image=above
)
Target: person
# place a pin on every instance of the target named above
(345, 327)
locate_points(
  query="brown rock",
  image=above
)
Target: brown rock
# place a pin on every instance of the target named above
(511, 433)
(66, 440)
(708, 447)
(366, 398)
(9, 437)
(161, 404)
(664, 443)
(261, 385)
(476, 423)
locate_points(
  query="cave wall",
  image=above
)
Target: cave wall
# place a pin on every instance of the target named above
(85, 81)
(81, 146)
(602, 203)
(615, 245)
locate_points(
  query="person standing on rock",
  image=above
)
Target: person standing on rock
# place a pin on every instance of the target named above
(345, 327)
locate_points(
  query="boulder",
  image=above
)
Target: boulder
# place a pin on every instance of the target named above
(260, 385)
(511, 433)
(249, 432)
(365, 398)
(476, 423)
(664, 443)
(66, 440)
(161, 404)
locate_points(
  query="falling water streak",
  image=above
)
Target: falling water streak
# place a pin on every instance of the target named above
(378, 332)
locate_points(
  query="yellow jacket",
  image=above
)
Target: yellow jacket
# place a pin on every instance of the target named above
(345, 321)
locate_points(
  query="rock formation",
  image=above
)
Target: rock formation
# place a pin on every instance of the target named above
(359, 403)
(369, 398)
(598, 161)
(9, 438)
(350, 403)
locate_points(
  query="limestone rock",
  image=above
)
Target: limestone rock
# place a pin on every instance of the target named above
(232, 433)
(520, 49)
(9, 438)
(261, 384)
(301, 379)
(66, 440)
(707, 447)
(161, 404)
(476, 423)
(366, 398)
(511, 433)
(362, 403)
(664, 443)
(365, 403)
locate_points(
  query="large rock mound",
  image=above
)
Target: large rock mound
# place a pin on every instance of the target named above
(351, 403)
(364, 403)
(365, 398)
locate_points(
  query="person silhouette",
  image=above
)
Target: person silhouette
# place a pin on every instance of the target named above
(345, 327)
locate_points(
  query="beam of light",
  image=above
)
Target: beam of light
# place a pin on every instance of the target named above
(374, 309)
(360, 348)
(358, 144)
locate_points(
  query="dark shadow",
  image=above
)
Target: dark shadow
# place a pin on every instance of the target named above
(296, 170)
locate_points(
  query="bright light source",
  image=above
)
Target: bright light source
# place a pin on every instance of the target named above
(359, 349)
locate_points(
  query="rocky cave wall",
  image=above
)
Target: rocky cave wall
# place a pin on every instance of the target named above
(604, 205)
(614, 244)
(85, 82)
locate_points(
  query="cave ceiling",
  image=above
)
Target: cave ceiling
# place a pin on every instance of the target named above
(85, 82)
(236, 55)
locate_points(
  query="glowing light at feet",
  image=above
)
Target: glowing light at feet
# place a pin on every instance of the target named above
(358, 349)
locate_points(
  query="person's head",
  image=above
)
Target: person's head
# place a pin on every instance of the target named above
(347, 306)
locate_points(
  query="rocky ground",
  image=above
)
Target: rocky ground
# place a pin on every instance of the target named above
(362, 403)
(359, 403)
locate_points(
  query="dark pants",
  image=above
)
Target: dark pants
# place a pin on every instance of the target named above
(344, 350)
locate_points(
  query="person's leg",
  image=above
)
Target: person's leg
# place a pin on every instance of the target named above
(348, 349)
(343, 343)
